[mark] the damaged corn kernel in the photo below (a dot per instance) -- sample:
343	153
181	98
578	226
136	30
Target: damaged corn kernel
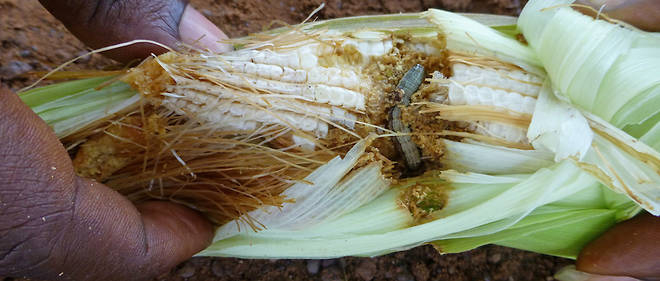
271	113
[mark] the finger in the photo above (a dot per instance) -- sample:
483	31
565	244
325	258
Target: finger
197	30
127	243
629	249
178	232
36	187
55	225
644	14
103	23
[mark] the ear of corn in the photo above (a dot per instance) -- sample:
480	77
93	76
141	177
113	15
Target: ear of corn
603	76
288	143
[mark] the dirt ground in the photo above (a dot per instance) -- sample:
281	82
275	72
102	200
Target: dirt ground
32	40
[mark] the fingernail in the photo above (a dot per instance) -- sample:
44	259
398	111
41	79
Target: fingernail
197	30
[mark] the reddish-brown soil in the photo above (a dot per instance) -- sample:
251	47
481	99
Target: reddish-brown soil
32	40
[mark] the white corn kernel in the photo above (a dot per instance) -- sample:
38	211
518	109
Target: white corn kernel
371	48
510	90
510	81
303	143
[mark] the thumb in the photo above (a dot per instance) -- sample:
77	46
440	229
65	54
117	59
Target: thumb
173	232
102	23
644	14
628	249
113	240
107	238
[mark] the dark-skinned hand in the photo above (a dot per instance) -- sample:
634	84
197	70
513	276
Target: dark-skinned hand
57	226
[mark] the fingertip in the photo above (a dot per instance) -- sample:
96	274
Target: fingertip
644	14
197	30
181	222
130	241
628	249
174	232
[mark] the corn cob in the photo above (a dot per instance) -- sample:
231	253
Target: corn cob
315	114
318	92
300	90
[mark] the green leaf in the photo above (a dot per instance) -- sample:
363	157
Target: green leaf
561	228
46	94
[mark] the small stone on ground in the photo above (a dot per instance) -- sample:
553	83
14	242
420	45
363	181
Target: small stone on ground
313	266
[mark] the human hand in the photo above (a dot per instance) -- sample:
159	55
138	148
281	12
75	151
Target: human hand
631	248
57	226
102	23
644	14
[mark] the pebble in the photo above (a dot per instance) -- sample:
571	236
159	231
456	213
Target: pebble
186	271
21	38
14	68
331	274
25	53
366	270
62	55
217	269
342	263
421	271
405	276
313	266
54	33
452	270
495	258
84	59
